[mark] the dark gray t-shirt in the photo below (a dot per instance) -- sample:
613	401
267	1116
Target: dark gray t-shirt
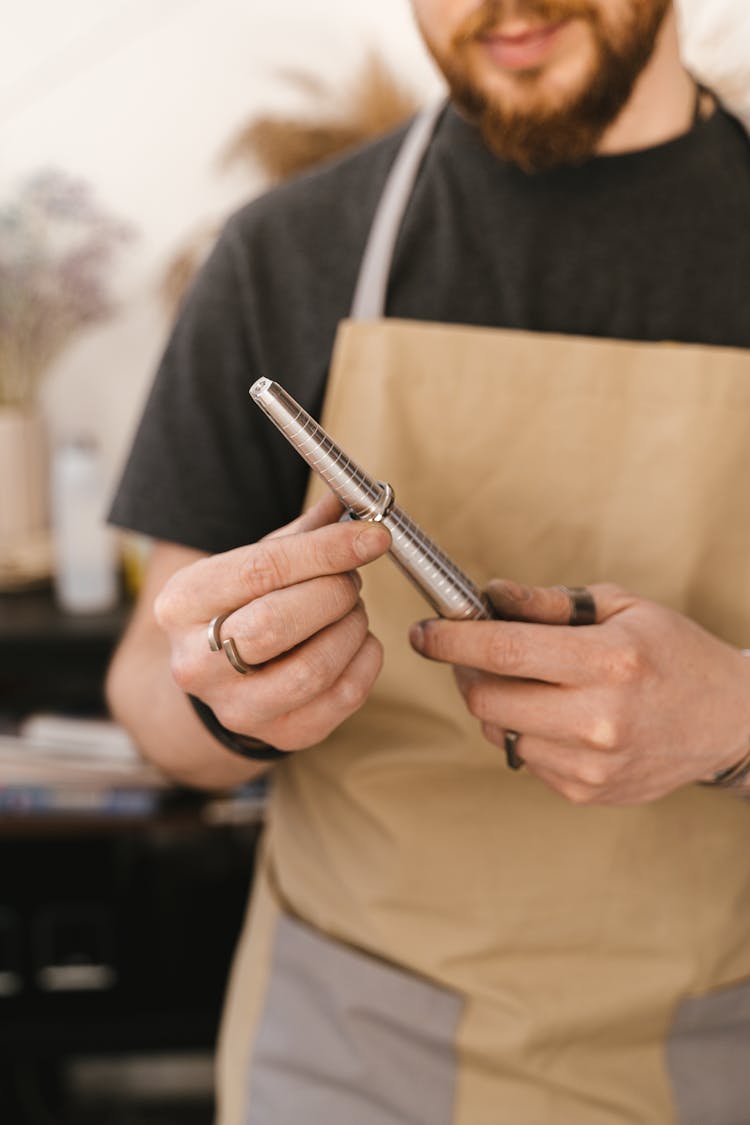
653	245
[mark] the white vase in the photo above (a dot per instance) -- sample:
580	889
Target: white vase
23	478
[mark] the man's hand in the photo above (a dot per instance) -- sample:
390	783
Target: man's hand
295	613
621	712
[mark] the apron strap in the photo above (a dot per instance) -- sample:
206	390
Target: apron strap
369	295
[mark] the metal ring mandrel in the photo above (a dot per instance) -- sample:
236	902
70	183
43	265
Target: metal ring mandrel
449	591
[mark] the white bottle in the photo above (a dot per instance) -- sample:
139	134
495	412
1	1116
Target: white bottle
85	549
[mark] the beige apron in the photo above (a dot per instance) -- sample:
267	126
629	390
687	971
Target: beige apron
571	938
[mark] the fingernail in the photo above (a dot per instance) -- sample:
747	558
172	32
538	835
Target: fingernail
371	541
416	637
504	588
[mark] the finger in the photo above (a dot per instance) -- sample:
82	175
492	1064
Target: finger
506	648
611	600
553	605
327	510
265	629
313	722
283	619
295	679
543	710
223	582
546	605
579	775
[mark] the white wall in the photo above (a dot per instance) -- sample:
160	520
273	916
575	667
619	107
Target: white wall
139	96
716	46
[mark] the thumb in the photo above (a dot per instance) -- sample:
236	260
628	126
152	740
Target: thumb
327	510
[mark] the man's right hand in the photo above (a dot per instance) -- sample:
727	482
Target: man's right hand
294	613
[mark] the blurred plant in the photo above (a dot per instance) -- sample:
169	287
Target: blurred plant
56	246
375	101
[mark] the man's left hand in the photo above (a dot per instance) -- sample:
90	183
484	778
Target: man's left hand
622	712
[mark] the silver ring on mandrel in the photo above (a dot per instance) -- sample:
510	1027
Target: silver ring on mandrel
384	504
227	646
513	758
582	605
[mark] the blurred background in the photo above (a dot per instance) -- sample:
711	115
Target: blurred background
140	100
128	131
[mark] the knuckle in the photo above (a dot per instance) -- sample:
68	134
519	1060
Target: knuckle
610	729
333	550
612	591
307	674
626	664
347	589
505	649
164	607
376	655
231	713
352	692
493	734
184	669
267	624
602	734
593	773
263	569
357	621
577	793
353	688
475	694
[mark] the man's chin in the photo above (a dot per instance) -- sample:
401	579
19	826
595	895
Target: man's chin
542	147
533	124
544	91
556	114
532	93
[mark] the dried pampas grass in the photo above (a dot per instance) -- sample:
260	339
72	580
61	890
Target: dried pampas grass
182	268
283	146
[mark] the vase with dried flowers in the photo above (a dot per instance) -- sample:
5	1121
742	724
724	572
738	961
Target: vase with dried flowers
56	248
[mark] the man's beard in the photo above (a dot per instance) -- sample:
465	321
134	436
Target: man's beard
547	135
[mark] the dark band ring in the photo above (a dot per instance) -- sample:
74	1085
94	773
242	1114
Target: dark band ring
513	758
228	647
582	605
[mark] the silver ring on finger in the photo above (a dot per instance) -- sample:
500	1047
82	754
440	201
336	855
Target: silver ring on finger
228	646
214	631
512	757
582	605
234	658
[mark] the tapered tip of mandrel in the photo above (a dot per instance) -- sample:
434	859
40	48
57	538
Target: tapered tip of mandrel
259	387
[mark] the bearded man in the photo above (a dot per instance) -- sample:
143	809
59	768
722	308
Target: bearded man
505	876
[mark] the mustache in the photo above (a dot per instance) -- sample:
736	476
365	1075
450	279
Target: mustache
492	13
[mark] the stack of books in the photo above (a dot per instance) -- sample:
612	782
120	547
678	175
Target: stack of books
62	764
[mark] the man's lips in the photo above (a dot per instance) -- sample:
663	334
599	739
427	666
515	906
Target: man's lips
525	48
